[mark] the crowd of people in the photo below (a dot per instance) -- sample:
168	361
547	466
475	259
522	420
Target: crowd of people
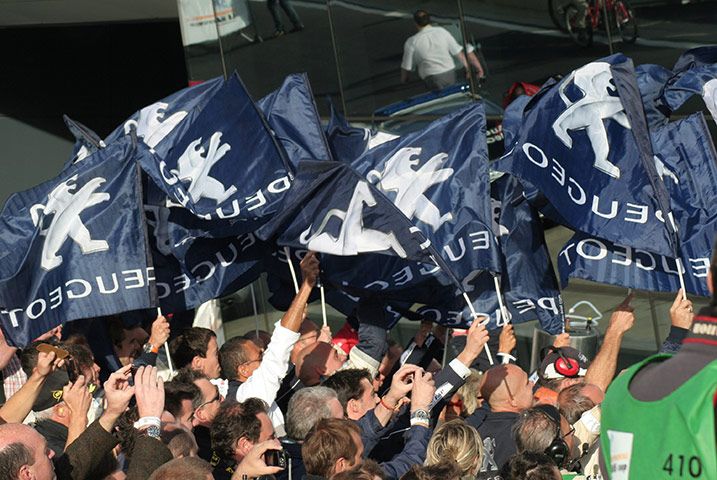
301	403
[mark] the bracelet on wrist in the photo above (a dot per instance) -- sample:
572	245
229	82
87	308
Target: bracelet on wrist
145	421
384	405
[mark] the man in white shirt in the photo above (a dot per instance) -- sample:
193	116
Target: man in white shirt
431	52
254	372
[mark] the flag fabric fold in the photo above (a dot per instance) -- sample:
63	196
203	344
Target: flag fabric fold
74	247
685	158
292	114
438	177
583	147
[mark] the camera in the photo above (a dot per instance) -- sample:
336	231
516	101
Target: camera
276	458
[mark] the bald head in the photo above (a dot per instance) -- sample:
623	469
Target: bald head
594	393
24	453
316	360
507	388
308	334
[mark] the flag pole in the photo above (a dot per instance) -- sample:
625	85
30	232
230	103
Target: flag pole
291	269
219	39
166	349
682	279
445	348
503	311
475	317
256	314
323	303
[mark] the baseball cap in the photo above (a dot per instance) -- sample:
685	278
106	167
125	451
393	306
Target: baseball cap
51	392
346	338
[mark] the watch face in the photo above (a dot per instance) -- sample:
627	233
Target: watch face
153	431
147	348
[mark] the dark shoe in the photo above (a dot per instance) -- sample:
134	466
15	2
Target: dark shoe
297	28
278	34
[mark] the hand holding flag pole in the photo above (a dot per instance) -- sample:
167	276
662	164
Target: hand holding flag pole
166	349
475	317
296	285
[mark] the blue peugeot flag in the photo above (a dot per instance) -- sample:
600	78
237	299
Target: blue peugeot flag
87	141
292	114
226	165
651	80
348	142
694	73
438	177
528	283
74	247
583	146
162	123
686	161
208	268
332	209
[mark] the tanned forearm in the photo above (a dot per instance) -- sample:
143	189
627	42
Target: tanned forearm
602	369
295	315
19	405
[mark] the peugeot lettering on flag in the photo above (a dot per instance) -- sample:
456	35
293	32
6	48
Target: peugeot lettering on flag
74	247
581	145
687	165
438	178
226	165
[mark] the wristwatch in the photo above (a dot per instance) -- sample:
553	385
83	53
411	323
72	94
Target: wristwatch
151	431
420	416
149	348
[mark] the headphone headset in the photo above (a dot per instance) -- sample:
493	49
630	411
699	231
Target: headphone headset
558	450
563	365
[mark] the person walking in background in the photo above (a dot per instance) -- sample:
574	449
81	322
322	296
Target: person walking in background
431	52
273	6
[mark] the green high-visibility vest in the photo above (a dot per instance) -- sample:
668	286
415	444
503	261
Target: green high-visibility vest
670	438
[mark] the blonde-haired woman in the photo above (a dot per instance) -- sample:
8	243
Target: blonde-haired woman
458	441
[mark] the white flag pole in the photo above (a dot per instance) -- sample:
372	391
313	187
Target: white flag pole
166	349
323	304
475	317
291	268
682	279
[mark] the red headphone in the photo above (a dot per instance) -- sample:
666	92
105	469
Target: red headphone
563	365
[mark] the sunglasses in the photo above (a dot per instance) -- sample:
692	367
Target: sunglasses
216	397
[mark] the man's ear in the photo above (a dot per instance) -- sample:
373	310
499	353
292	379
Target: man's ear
26	473
198	417
61	410
243	446
341	465
242	371
197	363
352	406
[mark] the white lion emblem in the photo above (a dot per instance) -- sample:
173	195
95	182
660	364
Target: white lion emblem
410	185
194	167
588	113
66	222
150	128
353	237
